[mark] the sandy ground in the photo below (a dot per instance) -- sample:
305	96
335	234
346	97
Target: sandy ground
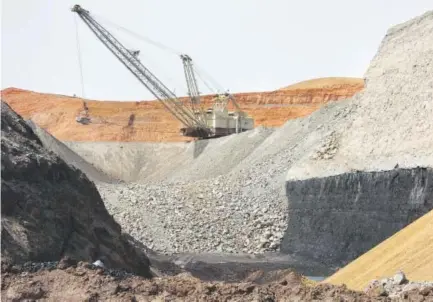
410	250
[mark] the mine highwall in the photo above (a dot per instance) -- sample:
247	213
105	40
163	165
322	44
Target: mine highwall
336	219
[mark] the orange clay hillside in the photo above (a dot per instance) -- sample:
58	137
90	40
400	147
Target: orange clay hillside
152	122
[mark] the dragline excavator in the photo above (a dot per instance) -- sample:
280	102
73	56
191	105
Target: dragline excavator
196	120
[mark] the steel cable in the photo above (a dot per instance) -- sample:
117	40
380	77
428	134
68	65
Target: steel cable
80	64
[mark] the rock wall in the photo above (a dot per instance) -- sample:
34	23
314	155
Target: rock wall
51	210
360	182
337	218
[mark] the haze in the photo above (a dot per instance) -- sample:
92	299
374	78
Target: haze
245	45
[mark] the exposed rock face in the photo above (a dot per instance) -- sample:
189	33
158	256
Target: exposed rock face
111	121
51	210
392	118
337	213
409	250
337	218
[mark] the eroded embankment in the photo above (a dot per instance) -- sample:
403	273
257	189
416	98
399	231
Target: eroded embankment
337	218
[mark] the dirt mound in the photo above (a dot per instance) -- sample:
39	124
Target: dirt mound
152	122
85	283
409	250
50	209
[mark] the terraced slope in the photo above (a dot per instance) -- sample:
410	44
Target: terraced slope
152	122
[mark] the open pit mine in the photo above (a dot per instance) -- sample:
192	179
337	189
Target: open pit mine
327	195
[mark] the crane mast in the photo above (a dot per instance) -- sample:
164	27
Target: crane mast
190	79
130	60
193	91
213	122
192	86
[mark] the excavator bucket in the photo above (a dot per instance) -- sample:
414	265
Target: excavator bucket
83	120
83	117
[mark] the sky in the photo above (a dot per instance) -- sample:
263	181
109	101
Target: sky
244	45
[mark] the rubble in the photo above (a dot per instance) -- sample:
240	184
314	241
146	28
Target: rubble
83	282
398	287
199	208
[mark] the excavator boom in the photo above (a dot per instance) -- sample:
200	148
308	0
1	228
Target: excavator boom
130	60
197	122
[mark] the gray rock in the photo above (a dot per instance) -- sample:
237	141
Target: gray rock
98	263
246	172
399	278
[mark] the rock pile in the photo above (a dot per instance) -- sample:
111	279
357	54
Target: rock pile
193	217
392	121
399	286
241	211
51	210
228	194
246	209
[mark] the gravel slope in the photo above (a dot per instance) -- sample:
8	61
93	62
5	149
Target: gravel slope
242	211
227	194
154	162
393	121
245	210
